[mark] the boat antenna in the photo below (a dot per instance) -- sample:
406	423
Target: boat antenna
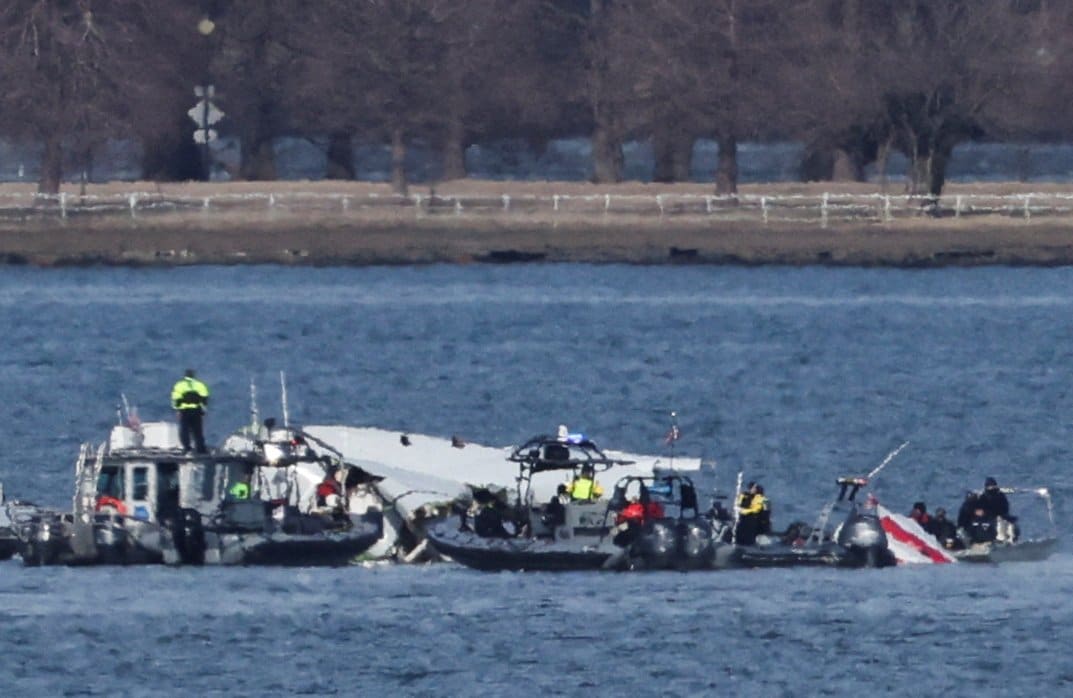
737	511
255	415
888	459
283	398
672	435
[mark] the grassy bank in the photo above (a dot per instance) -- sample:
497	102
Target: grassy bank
353	223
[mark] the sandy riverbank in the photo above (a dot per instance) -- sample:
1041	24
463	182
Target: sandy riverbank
247	232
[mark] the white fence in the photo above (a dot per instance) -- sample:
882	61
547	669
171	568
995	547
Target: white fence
817	209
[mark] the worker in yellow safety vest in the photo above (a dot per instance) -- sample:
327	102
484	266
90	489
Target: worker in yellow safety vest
584	487
189	398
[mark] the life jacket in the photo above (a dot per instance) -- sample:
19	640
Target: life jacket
634	512
756	505
189	394
582	488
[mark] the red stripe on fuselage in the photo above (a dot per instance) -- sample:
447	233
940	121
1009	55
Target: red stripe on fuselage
904	536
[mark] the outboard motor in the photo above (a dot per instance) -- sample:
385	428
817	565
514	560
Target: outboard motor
110	538
863	536
658	545
39	543
188	533
696	542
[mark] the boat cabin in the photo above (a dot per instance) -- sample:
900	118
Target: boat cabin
145	475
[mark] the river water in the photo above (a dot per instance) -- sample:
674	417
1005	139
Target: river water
794	376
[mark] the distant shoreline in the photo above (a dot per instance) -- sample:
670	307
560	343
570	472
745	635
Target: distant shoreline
330	235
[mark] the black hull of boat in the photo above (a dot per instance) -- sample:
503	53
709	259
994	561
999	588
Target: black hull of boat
280	549
299	551
8	548
489	559
116	545
824	556
1026	551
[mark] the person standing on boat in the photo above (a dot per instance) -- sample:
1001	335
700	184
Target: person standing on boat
189	397
754	515
997	507
993	501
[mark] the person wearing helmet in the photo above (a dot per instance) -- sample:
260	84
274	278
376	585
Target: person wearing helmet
584	487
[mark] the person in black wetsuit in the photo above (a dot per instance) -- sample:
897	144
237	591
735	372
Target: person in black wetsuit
993	501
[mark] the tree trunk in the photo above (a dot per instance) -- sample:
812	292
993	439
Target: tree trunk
258	158
882	158
398	162
51	166
919	174
845	167
607	159
726	172
673	151
927	173
937	177
454	150
340	156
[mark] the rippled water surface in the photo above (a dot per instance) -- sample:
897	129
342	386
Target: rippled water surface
795	376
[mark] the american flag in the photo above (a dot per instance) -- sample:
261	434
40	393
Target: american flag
672	435
133	420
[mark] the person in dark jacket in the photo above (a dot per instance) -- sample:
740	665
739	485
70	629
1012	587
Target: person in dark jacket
981	528
555	510
966	511
944	530
920	515
993	501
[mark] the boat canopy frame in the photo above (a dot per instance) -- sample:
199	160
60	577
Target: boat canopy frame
545	453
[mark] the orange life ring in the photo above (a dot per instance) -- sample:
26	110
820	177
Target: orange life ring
105	502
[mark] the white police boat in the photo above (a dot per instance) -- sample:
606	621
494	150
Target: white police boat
140	499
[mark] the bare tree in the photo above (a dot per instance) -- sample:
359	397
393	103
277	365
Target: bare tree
76	73
924	76
258	46
708	67
385	61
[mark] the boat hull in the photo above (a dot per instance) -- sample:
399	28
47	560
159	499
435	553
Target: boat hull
518	554
1026	551
334	549
820	556
123	541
